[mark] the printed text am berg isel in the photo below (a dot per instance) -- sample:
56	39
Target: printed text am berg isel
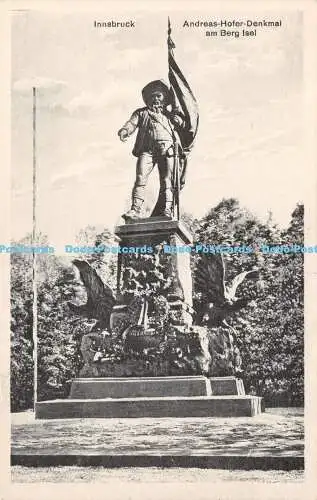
239	26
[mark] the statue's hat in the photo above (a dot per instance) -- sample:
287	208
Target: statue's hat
156	85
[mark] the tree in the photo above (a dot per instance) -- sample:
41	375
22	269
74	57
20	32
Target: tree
21	333
59	332
270	329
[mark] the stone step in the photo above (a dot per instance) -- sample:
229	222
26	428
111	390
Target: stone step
226	386
201	406
134	387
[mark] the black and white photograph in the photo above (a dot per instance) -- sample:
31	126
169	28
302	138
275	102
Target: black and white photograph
160	190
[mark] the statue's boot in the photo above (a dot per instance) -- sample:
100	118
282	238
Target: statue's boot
135	210
168	210
168	205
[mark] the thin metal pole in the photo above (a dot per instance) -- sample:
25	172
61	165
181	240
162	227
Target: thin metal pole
177	182
34	262
119	269
175	206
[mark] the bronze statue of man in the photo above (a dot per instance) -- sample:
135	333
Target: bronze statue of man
157	143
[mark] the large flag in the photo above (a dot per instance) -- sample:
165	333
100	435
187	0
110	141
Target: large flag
183	97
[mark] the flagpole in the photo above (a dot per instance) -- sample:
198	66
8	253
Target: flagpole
170	46
34	262
185	102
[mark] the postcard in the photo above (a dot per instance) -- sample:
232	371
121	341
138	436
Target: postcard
159	256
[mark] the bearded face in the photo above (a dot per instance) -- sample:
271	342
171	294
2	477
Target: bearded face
157	102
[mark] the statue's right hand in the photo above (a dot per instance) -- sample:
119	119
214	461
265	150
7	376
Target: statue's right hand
123	134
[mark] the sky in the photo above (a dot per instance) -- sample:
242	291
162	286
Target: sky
89	80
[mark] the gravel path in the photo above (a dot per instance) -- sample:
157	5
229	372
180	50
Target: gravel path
278	432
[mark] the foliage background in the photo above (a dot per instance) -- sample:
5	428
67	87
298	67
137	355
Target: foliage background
271	328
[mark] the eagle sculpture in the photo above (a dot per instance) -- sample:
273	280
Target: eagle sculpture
218	297
141	330
101	301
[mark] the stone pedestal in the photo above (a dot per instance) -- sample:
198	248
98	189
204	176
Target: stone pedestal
133	387
156	397
152	339
160	235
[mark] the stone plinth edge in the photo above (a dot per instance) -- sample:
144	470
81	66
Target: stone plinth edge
154	226
202	406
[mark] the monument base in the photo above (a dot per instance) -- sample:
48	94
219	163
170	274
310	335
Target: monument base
132	397
135	387
199	406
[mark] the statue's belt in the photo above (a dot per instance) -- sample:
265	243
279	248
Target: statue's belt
163	148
